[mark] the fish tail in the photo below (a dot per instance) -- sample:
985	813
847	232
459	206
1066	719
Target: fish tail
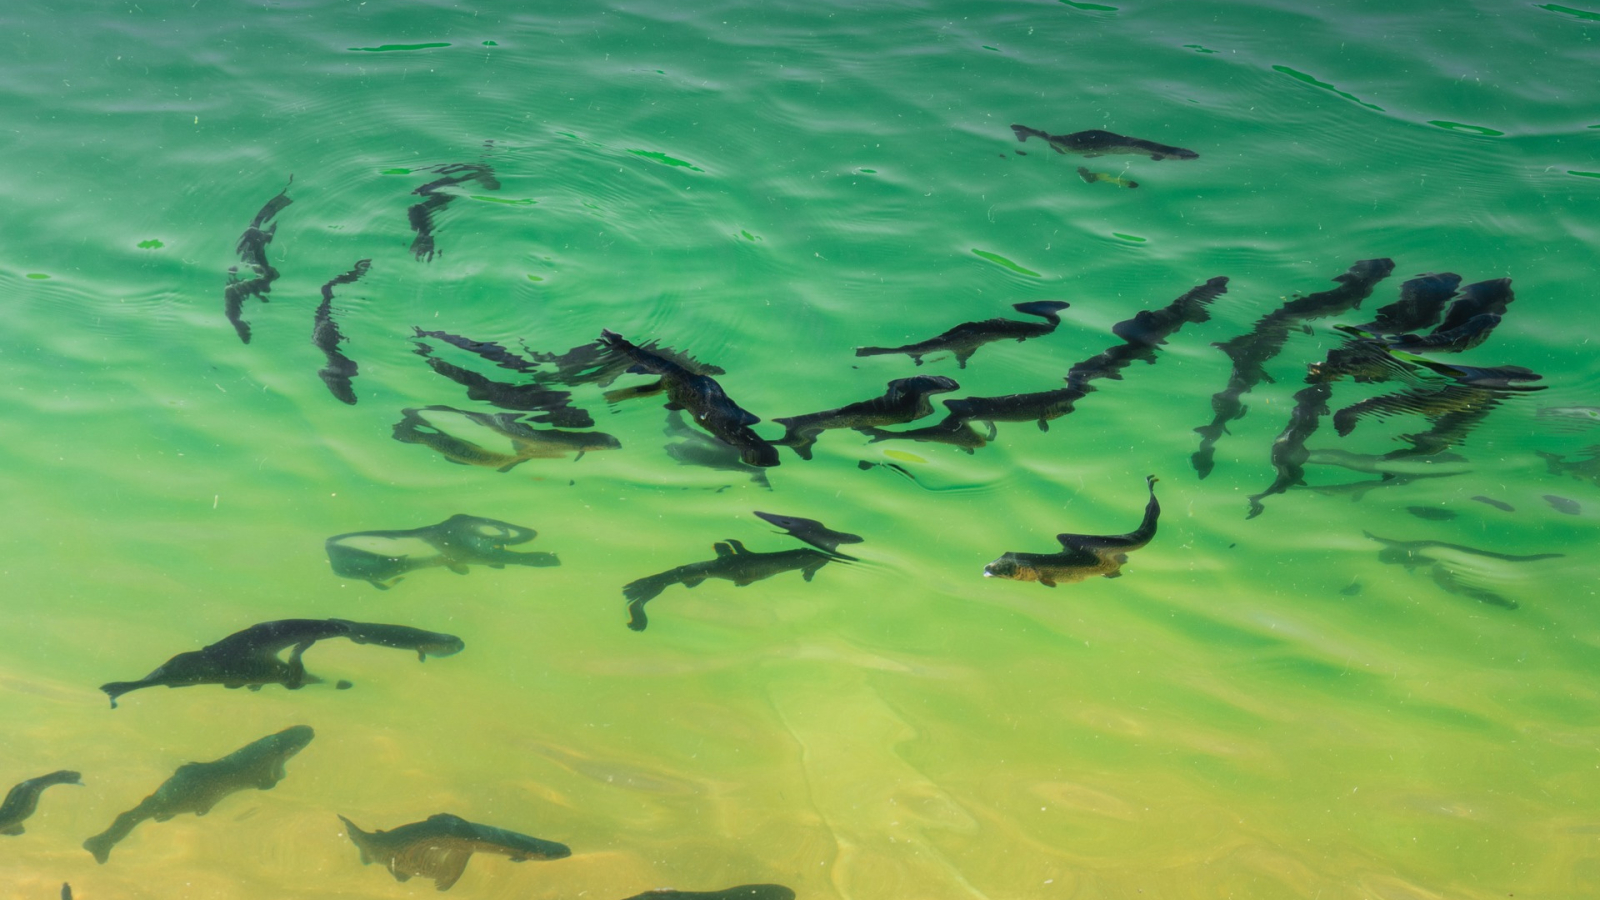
874	351
357	837
1023	132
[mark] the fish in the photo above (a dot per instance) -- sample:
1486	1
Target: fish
1040	406
1447	565
906	400
1477	299
1463	337
1421	303
197	787
1083	555
250	658
1352	589
552	406
325	335
1101	143
66	891
1289	453
1585	467
1145	332
23	798
382	558
488	350
742	892
416	427
701	396
952	430
812	532
1251	352
252	250
695	448
1374	464
1431	513
420	215
1577	416
1563	504
440	846
733	562
1497	504
965	339
1091	177
1359	489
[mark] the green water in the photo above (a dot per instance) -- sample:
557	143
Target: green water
1257	708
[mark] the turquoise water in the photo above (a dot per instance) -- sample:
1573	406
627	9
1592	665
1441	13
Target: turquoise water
1258	707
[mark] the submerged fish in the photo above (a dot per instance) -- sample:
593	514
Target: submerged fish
421	214
1421	302
1573	416
197	787
252	250
1100	143
1585	467
742	892
1091	177
1083	555
553	407
952	430
1447	565
700	395
1431	513
249	658
422	426
1289	453
325	335
1147	331
1497	504
965	339
696	448
1563	504
906	400
23	799
733	563
381	558
812	532
440	847
1040	406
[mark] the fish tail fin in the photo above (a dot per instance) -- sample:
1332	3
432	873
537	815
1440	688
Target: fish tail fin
357	837
873	351
1023	132
645	588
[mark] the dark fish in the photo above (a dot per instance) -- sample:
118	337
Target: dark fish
733	563
742	892
252	250
965	339
598	363
421	214
1083	555
197	787
1359	489
1463	337
381	558
1091	177
326	336
1575	416
696	448
1585	467
1431	513
1252	351
701	396
952	430
1454	410
1481	298
23	799
1146	331
553	406
812	532
489	350
249	658
1351	589
526	443
867	466
440	846
1289	451
1041	407
1100	143
1440	464
1421	302
1563	505
905	401
1448	576
66	891
1497	504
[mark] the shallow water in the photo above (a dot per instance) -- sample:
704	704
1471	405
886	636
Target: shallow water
1257	708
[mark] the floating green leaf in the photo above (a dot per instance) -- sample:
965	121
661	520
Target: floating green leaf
391	48
1198	49
1001	261
395	172
505	200
1470	129
38	276
1301	76
490	44
1129	237
987	47
151	244
868	171
534	278
666	160
1092	7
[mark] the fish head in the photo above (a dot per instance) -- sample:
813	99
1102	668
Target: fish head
1010	567
596	440
293	739
441	645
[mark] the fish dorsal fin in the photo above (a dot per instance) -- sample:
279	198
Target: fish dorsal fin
737	546
723	549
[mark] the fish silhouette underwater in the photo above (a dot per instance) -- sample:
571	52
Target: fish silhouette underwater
733	562
440	847
1083	555
23	798
1095	142
382	558
965	339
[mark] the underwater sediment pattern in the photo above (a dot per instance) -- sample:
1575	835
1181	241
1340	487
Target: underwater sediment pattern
467	332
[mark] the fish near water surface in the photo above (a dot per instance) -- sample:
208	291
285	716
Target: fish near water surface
952	430
965	339
440	847
325	336
699	395
420	215
906	400
197	787
1584	467
1083	555
1451	566
428	426
742	892
550	406
1100	143
733	562
252	250
381	558
812	532
23	798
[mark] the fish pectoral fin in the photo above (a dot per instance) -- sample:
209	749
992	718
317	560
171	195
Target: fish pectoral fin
1043	425
1117	574
1047	581
456	567
14	829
